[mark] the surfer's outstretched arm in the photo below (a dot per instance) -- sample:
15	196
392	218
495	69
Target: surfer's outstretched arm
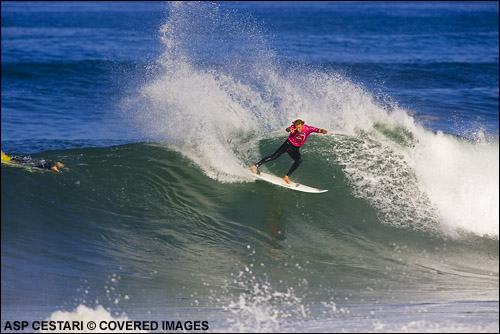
292	129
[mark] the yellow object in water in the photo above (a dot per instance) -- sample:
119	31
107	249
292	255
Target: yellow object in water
5	157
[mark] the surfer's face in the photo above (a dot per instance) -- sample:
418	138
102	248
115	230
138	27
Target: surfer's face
299	127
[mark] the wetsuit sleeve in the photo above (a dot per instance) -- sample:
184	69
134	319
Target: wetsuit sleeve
313	129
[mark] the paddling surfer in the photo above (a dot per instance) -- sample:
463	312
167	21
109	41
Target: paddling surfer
50	165
299	132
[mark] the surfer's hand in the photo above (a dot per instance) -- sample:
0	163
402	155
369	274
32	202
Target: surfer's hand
323	131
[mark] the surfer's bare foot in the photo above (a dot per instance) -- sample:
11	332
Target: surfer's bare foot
254	169
287	180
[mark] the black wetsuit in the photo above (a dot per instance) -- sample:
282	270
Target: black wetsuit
289	148
34	163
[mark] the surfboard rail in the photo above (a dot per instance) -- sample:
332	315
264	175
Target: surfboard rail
293	185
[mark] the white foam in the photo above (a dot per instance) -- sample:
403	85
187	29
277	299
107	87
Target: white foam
86	315
461	178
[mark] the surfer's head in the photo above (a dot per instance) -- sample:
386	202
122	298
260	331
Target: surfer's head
299	124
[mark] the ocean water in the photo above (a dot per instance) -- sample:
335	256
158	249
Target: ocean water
157	109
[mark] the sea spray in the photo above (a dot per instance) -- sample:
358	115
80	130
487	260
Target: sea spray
256	303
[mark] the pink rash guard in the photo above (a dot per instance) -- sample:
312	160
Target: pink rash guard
298	139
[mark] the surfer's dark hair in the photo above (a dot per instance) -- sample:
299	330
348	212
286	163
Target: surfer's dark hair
297	122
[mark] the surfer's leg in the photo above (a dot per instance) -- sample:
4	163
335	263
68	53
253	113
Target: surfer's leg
295	154
282	149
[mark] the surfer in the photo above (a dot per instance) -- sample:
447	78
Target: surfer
53	166
299	132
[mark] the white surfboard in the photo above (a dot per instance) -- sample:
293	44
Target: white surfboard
293	185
